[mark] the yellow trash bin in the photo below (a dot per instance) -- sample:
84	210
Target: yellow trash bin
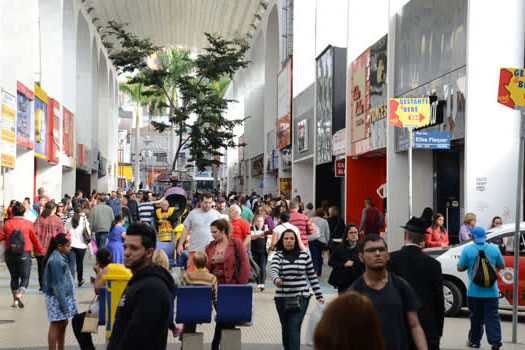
117	280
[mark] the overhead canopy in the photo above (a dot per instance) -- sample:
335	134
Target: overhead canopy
181	23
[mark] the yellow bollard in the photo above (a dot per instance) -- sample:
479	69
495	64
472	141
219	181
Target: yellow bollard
117	279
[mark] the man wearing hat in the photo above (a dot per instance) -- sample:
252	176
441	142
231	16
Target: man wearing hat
423	273
482	301
222	206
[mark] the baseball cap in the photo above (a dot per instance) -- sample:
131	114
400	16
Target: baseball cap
221	199
479	234
416	225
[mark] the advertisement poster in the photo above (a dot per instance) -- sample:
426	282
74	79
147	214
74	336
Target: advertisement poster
53	135
339	142
69	132
25	118
258	165
40	123
285	186
302	135
83	156
8	138
324	106
360	97
284	105
286	157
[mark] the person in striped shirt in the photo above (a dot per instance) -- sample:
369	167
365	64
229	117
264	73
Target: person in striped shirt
289	270
146	210
302	222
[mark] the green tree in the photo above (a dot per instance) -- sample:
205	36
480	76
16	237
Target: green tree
193	88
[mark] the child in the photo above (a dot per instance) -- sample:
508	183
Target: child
199	277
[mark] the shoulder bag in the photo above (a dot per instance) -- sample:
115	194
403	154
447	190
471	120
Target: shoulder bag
86	235
291	304
90	324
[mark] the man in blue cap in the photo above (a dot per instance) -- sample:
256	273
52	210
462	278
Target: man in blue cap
482	301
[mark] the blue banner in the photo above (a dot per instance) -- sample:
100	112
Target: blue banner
40	123
431	140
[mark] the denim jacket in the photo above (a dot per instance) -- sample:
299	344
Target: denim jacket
58	281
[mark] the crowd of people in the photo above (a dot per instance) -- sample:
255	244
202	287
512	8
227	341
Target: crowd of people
222	239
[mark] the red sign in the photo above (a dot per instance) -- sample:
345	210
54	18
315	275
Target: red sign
340	167
53	131
83	156
283	131
69	132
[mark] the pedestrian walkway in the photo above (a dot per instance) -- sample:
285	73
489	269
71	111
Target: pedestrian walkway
27	328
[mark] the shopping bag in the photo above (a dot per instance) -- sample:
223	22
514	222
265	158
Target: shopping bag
315	316
93	246
90	324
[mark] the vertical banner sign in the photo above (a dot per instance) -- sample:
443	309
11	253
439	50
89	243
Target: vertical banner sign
40	123
25	118
284	105
285	186
68	133
360	90
302	135
53	131
340	167
324	96
8	148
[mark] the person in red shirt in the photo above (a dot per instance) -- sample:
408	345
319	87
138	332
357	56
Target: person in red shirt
300	221
437	235
241	227
19	265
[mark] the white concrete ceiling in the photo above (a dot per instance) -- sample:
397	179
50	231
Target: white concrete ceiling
180	22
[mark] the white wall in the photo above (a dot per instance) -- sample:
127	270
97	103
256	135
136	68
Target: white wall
491	137
303	67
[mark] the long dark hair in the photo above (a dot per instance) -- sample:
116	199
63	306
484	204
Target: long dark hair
48	208
427	214
124	212
437	216
345	235
117	219
280	245
75	220
61	238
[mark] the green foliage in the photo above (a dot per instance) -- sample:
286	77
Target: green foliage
188	88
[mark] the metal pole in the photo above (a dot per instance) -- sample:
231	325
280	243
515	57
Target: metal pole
137	148
517	232
410	145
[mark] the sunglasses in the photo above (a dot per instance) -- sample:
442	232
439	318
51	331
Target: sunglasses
373	250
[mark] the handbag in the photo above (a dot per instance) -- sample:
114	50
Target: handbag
291	304
86	235
90	324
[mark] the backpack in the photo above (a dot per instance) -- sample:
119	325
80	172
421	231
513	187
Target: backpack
16	243
483	273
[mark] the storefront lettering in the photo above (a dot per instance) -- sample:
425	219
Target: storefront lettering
378	113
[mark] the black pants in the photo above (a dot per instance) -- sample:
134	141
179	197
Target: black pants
217	336
20	269
76	262
84	339
40	264
260	258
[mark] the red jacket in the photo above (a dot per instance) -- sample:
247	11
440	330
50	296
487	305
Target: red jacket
434	237
28	230
229	261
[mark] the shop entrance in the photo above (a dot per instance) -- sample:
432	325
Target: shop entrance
83	182
447	189
327	186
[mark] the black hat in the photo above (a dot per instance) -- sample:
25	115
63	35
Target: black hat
416	225
221	199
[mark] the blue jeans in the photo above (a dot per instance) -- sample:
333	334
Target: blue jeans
102	239
484	311
291	323
182	259
316	248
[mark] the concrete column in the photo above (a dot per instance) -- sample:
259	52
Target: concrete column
491	136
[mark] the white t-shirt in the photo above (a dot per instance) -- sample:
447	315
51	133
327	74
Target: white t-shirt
77	237
279	229
198	221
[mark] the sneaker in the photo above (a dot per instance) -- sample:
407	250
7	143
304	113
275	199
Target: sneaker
472	345
15	303
20	302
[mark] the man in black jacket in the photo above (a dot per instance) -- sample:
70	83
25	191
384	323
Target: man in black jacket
143	313
133	206
424	274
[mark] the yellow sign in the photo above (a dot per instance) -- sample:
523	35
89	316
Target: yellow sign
410	112
8	130
511	91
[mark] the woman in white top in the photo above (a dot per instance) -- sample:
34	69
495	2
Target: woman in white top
76	226
285	225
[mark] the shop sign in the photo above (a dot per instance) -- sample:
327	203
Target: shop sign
83	156
410	112
339	142
302	135
360	97
286	157
340	167
8	138
25	118
258	165
40	123
241	149
53	136
284	105
431	140
69	132
285	186
511	92
324	106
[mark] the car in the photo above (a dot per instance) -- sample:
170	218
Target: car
455	283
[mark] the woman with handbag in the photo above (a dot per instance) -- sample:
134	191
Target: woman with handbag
78	227
345	263
288	271
228	261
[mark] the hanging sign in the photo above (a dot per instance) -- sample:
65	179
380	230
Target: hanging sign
340	167
53	131
431	140
40	123
410	112
511	91
8	138
25	118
